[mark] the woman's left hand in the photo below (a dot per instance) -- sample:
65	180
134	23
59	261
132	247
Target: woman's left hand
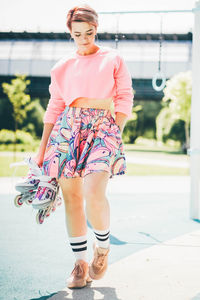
120	120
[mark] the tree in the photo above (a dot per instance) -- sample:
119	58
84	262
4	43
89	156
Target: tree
177	106
130	130
18	98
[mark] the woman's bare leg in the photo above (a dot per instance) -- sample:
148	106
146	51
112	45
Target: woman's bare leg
97	205
98	213
72	190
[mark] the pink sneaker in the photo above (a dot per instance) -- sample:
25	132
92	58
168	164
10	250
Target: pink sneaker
99	263
79	277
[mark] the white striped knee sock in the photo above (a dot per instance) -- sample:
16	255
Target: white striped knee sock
79	246
102	237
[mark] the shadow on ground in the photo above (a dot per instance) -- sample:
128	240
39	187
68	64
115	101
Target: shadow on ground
86	293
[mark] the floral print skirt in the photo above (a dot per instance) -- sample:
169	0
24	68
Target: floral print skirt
83	141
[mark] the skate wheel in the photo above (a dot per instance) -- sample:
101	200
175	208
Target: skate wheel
48	211
59	203
18	201
28	202
40	217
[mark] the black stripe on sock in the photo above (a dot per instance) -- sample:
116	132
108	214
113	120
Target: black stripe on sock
102	234
78	244
102	239
79	249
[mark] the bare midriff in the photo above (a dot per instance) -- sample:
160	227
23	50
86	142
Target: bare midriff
92	103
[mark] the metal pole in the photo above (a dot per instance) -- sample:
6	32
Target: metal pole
195	120
148	11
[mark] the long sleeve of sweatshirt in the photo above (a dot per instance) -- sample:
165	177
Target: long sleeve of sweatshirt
103	74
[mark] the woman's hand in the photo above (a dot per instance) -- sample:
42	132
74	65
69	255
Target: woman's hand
120	120
42	148
39	158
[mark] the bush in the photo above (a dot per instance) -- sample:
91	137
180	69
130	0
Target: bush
144	125
34	121
6	118
176	133
129	133
141	141
8	137
176	111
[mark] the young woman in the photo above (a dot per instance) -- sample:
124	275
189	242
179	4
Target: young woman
81	144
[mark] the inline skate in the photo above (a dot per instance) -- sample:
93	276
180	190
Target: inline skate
28	186
46	198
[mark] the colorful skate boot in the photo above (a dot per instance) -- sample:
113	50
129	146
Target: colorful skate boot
28	186
46	198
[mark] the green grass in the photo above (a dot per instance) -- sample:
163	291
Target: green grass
5	169
152	170
132	169
152	148
171	156
127	147
162	153
21	147
149	152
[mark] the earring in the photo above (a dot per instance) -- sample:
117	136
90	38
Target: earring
96	37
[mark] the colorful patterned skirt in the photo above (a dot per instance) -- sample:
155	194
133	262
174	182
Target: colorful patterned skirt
83	141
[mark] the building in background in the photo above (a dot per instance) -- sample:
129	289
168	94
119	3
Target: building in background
34	54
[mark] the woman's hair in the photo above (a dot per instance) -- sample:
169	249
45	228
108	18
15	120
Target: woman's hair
82	13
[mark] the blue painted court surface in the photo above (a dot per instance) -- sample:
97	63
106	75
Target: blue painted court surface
35	260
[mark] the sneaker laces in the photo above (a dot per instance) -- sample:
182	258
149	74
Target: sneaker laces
78	270
99	261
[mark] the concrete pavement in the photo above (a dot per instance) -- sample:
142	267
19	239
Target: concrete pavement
168	271
155	246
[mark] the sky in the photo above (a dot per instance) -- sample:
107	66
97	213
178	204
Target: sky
50	16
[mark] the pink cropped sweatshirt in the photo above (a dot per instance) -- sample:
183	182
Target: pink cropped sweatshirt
102	74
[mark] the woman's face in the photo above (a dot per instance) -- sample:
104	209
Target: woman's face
83	34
